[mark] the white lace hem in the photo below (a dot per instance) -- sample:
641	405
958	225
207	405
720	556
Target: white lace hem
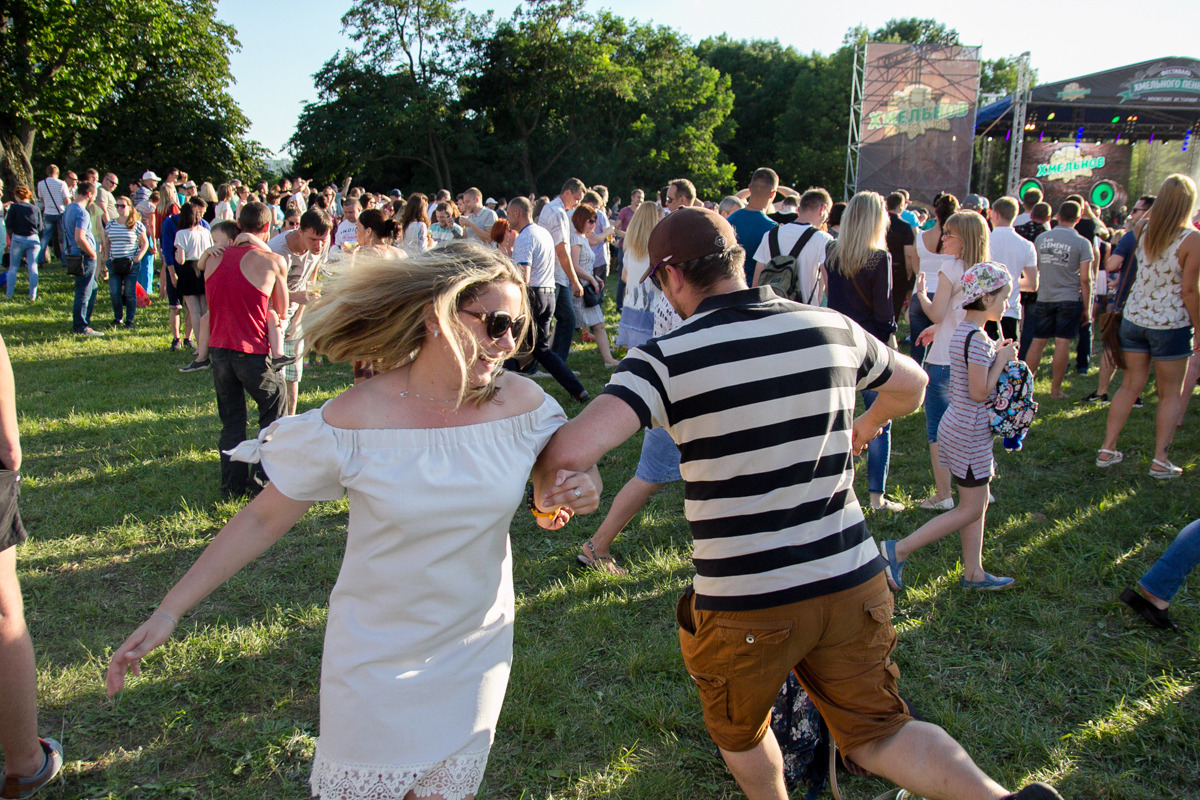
454	778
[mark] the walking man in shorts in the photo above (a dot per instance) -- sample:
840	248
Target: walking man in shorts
754	389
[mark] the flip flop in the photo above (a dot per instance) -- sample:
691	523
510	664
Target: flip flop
604	564
929	504
1114	457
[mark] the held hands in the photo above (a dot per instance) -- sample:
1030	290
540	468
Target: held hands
152	633
863	431
573	492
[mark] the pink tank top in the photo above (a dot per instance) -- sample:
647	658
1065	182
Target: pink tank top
237	309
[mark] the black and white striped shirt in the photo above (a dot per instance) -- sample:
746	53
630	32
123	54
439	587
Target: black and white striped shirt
758	392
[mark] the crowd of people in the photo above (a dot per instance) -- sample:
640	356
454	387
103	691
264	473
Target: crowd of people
750	326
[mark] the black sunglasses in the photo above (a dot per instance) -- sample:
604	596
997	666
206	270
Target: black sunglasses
497	323
652	275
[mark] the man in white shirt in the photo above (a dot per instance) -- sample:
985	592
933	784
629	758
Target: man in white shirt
1030	199
556	219
533	253
814	210
347	230
476	218
1020	256
54	196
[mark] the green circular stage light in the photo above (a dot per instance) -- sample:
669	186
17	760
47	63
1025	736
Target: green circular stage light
1103	194
1026	185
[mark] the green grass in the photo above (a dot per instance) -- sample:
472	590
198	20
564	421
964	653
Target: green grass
1054	680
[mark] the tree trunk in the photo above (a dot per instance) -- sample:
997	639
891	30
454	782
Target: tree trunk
16	152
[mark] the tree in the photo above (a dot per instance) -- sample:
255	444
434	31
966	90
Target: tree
174	110
761	74
915	30
57	70
415	41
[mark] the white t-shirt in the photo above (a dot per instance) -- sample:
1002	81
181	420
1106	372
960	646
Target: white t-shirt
808	265
1015	252
347	231
1021	219
193	242
416	238
484	219
554	218
222	211
939	351
931	264
53	193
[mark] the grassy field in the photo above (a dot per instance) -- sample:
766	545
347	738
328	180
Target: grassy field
1054	680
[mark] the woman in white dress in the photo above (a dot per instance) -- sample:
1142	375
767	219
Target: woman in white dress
434	454
589	318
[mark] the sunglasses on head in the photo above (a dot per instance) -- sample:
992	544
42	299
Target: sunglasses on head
497	323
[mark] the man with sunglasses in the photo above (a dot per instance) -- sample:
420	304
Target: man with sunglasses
757	392
534	252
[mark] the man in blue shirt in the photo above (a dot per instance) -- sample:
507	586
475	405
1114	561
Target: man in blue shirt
79	242
752	223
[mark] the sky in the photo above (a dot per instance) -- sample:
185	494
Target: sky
285	41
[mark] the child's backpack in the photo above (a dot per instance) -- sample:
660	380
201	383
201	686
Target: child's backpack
1012	408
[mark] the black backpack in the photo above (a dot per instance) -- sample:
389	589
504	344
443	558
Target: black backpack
780	273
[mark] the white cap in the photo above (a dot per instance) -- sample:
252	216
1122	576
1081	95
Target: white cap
149	175
491	201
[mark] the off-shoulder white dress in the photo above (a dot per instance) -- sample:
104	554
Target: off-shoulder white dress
419	639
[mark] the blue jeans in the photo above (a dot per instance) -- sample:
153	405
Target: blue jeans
27	247
145	271
879	451
51	234
564	322
1166	576
917	322
123	291
85	297
937	398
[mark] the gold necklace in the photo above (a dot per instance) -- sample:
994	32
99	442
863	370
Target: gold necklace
408	391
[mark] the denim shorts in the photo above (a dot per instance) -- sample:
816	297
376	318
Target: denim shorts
1162	345
937	398
1058	320
659	462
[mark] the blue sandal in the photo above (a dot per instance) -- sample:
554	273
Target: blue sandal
894	568
990	583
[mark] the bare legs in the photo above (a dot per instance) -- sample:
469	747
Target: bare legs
601	334
1169	376
1189	386
967	518
23	754
941	475
928	762
626	505
1058	367
920	757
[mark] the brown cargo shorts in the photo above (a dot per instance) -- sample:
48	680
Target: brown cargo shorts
839	645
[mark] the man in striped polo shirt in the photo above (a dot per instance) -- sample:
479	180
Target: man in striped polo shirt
758	392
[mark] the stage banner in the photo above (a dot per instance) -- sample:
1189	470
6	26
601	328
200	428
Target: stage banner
1097	172
918	119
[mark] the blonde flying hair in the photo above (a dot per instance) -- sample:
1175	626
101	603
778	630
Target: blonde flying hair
972	230
863	232
208	194
1172	209
379	311
637	236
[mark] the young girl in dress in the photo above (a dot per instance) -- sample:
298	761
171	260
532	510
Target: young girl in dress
966	438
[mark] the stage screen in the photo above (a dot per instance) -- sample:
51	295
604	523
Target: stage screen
918	119
1098	172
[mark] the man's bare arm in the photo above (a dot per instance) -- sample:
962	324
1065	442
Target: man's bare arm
899	396
578	445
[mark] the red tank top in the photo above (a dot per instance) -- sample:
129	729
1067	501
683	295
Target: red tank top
237	309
